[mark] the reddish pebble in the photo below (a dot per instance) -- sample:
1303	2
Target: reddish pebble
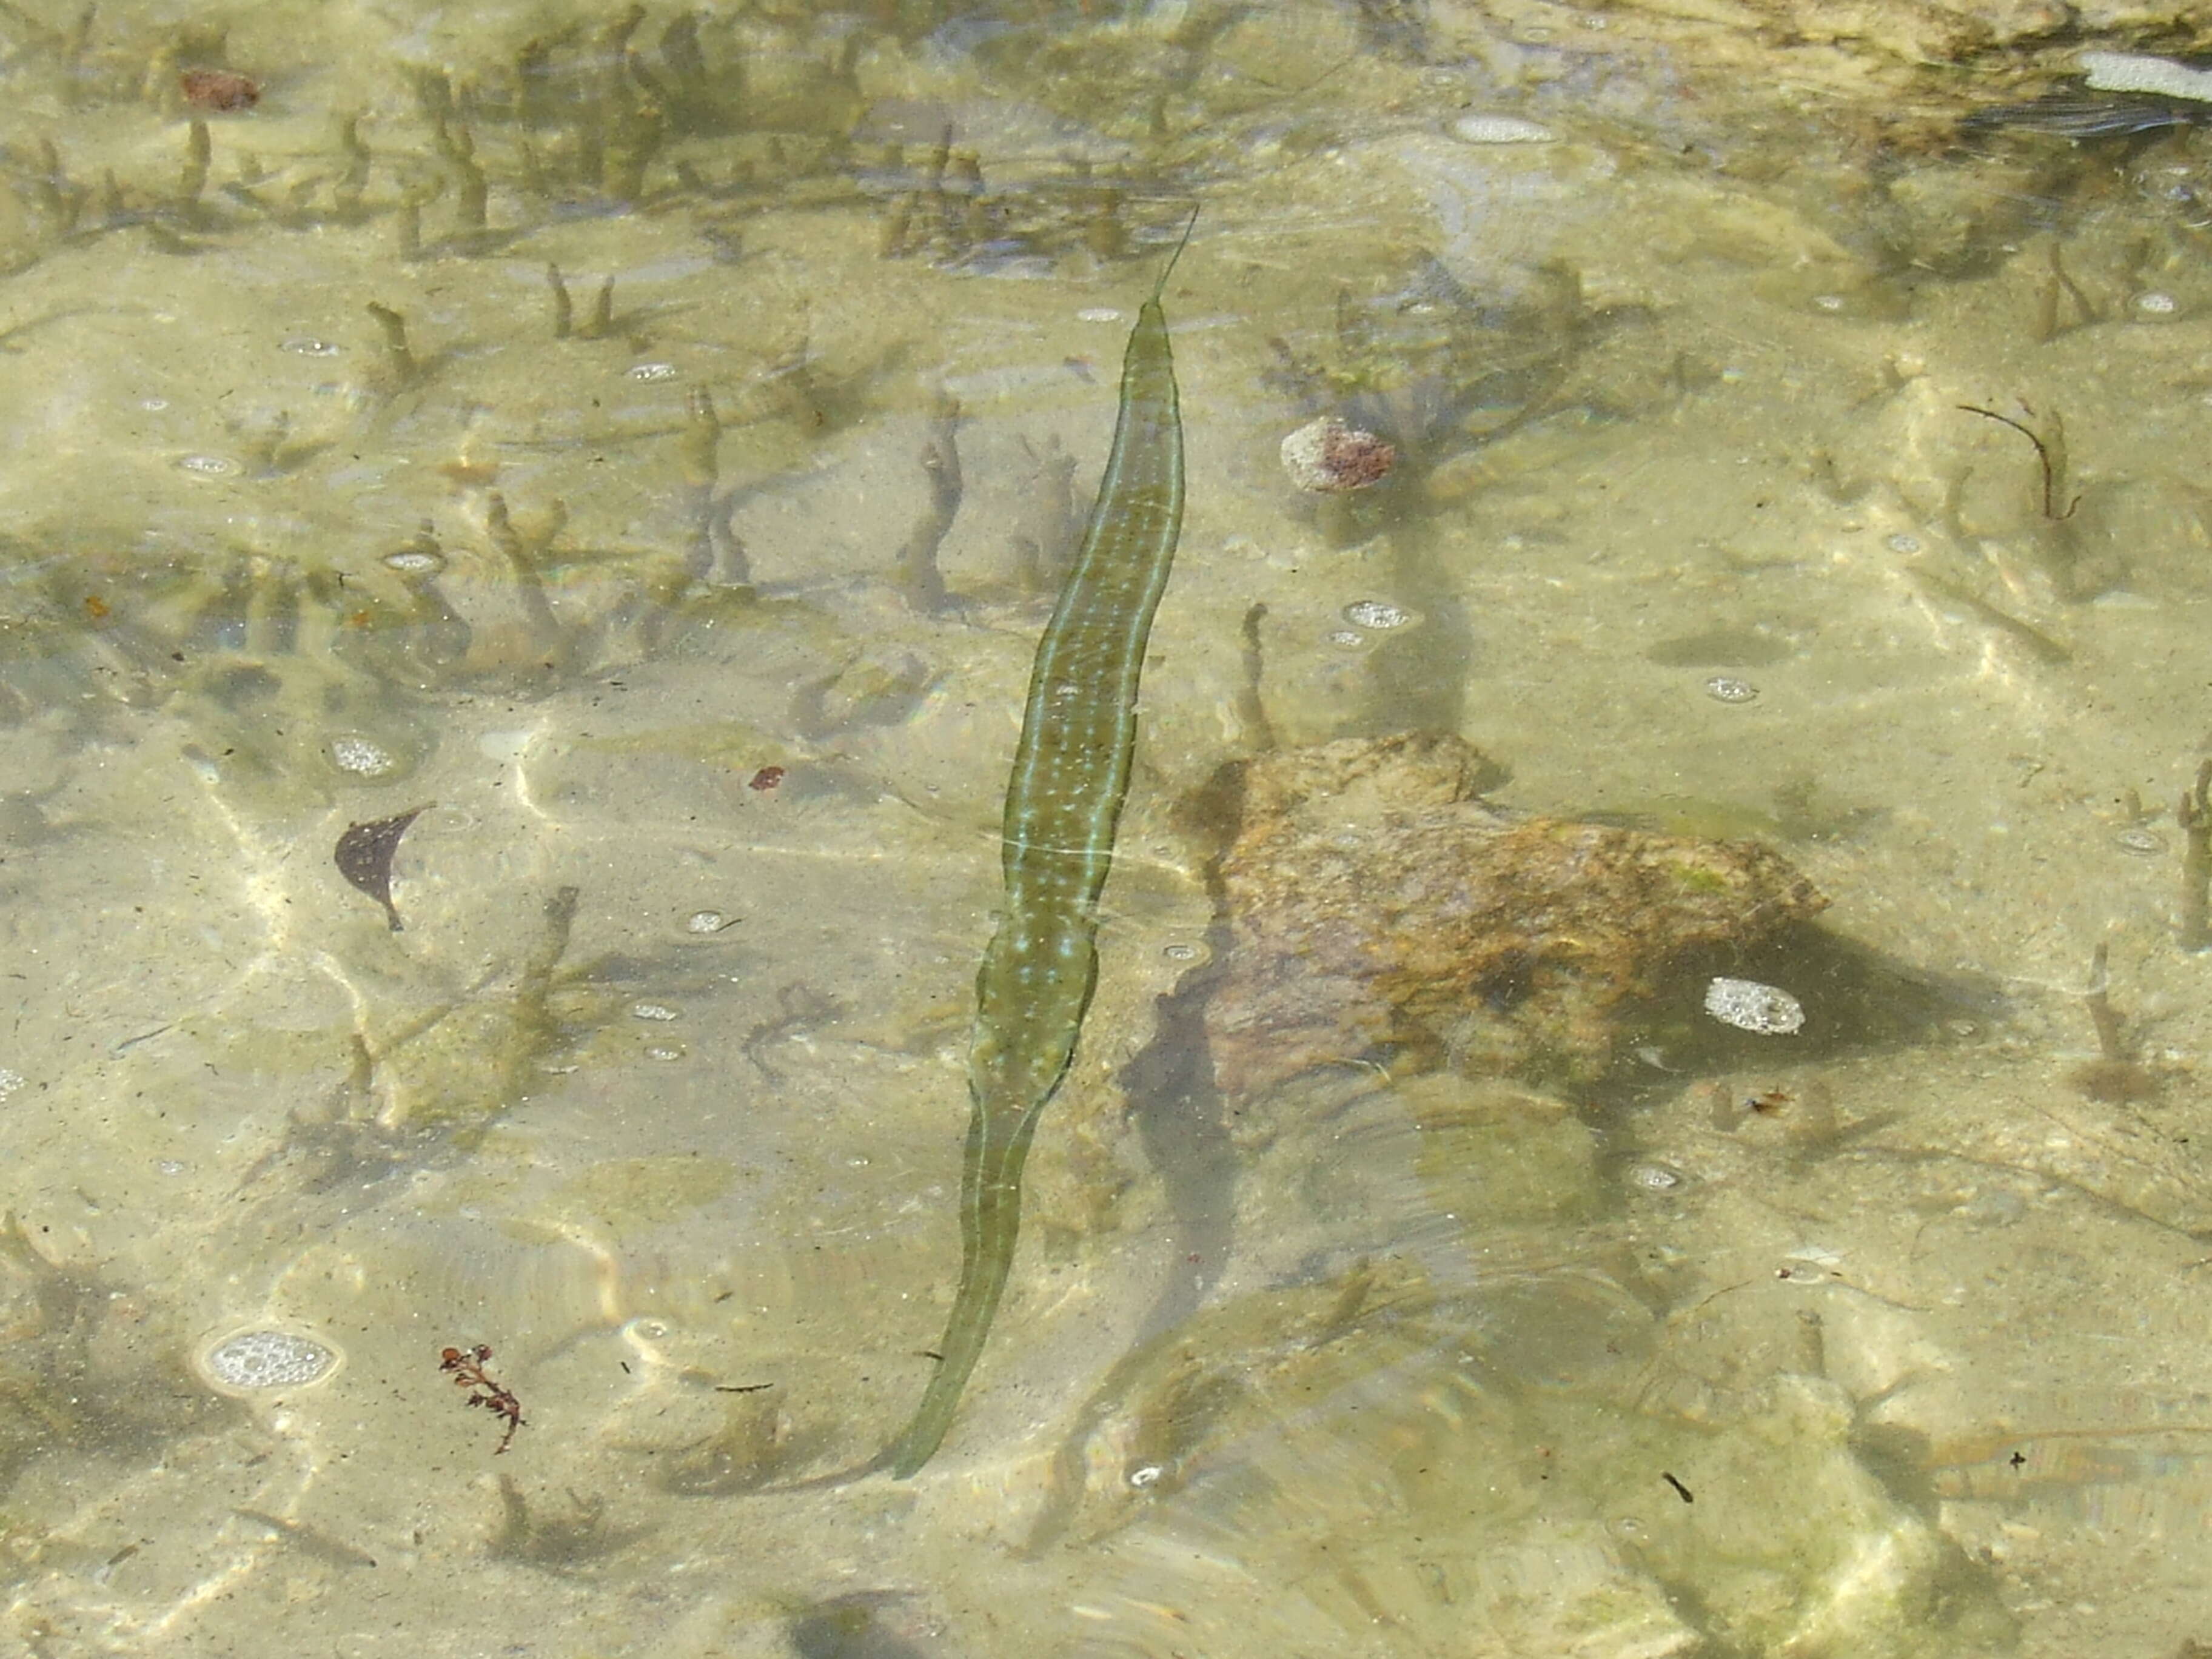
226	90
1330	458
767	778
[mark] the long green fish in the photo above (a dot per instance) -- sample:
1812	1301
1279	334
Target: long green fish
1063	801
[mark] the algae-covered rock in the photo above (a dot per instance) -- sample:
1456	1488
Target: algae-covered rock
1375	900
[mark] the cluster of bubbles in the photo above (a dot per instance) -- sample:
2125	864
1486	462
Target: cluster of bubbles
259	1359
1751	1006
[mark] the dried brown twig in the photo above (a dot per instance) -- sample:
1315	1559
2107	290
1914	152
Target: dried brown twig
2042	457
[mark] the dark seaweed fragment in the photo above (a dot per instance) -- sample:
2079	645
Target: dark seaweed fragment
365	853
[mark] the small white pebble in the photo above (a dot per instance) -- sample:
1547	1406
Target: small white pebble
1499	130
1724	687
2129	72
1750	1007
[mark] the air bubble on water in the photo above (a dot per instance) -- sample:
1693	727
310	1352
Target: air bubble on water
209	466
1725	688
2156	304
1377	614
414	561
1147	1475
705	921
1657	1177
1901	543
659	1011
1751	1006
1180	952
9	1082
254	1360
651	372
2141	842
306	345
1350	638
664	1051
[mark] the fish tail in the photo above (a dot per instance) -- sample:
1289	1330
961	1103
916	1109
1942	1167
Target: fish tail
991	1223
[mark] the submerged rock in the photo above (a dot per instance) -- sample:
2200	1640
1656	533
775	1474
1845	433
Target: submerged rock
1375	899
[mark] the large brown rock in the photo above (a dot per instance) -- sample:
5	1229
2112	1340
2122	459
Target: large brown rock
1375	899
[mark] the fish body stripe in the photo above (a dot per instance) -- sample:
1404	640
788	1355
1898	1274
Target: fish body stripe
1063	802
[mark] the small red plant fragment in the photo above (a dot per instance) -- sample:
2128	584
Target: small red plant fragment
466	1368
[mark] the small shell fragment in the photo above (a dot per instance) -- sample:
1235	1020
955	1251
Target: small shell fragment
1329	457
1750	1007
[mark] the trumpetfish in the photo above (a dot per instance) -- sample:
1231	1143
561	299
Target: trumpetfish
1063	800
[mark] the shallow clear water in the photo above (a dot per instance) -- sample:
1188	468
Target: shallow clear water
698	621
